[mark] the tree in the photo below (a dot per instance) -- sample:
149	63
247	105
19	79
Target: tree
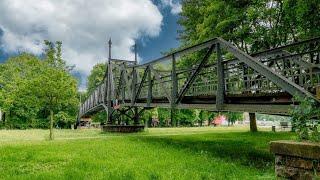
19	95
233	117
164	116
96	77
16	100
305	119
253	122
56	88
252	25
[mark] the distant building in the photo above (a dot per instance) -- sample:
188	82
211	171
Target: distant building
220	120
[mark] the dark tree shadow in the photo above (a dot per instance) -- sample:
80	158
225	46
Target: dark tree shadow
248	149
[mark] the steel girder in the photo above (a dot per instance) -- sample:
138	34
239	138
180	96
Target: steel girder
101	98
278	79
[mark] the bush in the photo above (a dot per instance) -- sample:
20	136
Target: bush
305	119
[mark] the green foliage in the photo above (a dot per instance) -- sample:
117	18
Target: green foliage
94	80
100	117
252	25
187	117
164	116
233	116
306	119
96	77
63	119
32	87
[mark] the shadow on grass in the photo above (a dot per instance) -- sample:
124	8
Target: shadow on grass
245	148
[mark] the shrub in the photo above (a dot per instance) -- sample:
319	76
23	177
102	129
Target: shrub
305	119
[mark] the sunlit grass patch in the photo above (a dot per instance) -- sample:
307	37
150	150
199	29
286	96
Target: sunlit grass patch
170	153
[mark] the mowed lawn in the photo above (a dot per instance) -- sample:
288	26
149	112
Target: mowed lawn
166	153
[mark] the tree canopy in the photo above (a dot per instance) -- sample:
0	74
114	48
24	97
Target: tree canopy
31	87
252	25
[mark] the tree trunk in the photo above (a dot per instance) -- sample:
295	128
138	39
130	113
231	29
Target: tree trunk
253	122
51	125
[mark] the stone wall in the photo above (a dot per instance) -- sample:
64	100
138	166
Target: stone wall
296	160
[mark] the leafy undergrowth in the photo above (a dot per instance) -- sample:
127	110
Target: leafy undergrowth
184	153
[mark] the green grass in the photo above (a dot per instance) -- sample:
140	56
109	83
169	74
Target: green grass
168	153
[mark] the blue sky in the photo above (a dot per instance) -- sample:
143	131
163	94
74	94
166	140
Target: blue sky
151	48
84	28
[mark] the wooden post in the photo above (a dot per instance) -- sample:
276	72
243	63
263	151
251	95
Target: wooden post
253	122
220	74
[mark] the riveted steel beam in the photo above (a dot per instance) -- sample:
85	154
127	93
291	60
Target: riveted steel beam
158	77
192	77
276	78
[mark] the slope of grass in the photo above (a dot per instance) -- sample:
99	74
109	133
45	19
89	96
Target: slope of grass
174	153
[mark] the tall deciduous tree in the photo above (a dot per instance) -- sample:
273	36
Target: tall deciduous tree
252	25
16	98
23	79
55	88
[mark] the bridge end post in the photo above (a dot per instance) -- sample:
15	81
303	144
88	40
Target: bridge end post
174	92
221	84
109	71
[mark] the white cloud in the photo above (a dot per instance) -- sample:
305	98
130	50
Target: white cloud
175	5
83	26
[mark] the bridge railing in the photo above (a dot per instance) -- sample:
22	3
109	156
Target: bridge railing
220	69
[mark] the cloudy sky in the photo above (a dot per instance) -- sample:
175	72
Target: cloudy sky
84	27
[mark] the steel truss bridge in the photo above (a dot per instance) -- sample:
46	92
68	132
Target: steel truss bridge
213	75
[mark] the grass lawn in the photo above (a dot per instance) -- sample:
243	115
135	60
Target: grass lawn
167	153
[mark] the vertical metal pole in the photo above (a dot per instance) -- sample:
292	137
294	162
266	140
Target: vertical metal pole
221	87
174	90
135	54
134	88
245	77
134	78
123	85
149	87
109	112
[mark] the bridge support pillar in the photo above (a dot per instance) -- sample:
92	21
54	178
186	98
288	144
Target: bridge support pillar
174	121
253	122
135	116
